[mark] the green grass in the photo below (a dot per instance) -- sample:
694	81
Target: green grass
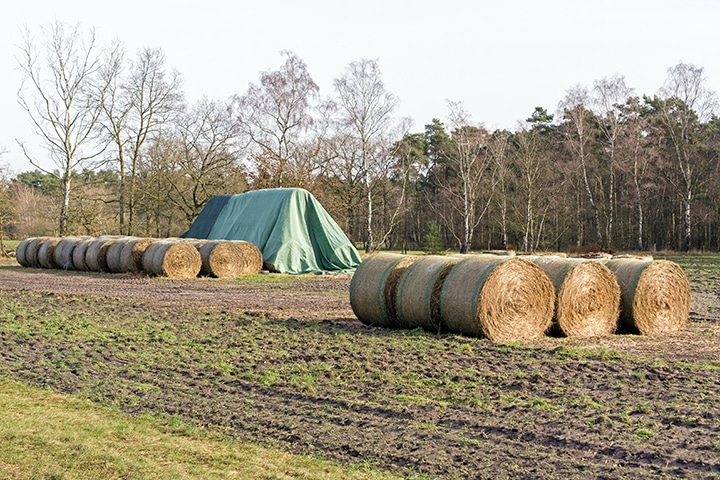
47	435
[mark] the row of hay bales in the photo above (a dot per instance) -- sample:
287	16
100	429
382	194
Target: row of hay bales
510	298
168	257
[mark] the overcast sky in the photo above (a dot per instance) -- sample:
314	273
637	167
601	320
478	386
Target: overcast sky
500	58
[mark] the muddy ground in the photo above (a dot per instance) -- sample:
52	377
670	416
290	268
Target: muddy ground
284	362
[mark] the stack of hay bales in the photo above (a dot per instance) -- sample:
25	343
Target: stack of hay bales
173	258
510	298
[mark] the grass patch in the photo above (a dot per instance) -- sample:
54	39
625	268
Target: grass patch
47	435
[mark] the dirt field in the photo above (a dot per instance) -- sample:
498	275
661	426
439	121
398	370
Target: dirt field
283	362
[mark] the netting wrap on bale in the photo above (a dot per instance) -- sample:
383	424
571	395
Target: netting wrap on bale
112	256
587	296
131	255
374	286
172	259
502	298
655	295
63	252
20	252
45	254
31	251
419	289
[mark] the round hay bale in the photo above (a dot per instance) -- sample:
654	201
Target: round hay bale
220	258
374	286
587	296
20	252
252	257
131	255
78	253
172	259
31	251
112	255
418	292
502	298
655	295
96	250
64	251
45	254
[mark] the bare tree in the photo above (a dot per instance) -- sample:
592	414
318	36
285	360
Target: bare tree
365	111
610	94
277	118
206	157
579	135
60	92
683	103
137	104
473	168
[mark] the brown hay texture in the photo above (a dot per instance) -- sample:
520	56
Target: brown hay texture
131	254
20	252
172	259
418	292
220	258
45	254
655	295
587	296
373	288
505	299
252	257
31	251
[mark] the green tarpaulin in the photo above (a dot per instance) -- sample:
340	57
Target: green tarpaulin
292	230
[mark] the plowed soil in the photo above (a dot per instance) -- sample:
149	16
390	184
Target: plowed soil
282	361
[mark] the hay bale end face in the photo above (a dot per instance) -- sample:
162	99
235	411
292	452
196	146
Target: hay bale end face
252	257
504	299
587	296
418	292
172	259
655	295
373	288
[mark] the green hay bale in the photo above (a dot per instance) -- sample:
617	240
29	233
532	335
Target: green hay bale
45	253
374	286
20	252
31	251
418	292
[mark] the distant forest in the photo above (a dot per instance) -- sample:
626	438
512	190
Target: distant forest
607	170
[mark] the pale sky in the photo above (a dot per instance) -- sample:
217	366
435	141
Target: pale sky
500	58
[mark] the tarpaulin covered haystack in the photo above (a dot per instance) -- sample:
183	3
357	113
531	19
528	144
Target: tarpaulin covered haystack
290	227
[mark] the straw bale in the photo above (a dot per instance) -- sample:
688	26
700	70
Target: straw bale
172	259
64	251
131	254
78	254
96	251
655	295
418	292
45	253
587	296
373	288
220	258
502	298
112	255
20	252
252	257
31	251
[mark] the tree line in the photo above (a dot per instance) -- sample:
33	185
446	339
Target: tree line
608	170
